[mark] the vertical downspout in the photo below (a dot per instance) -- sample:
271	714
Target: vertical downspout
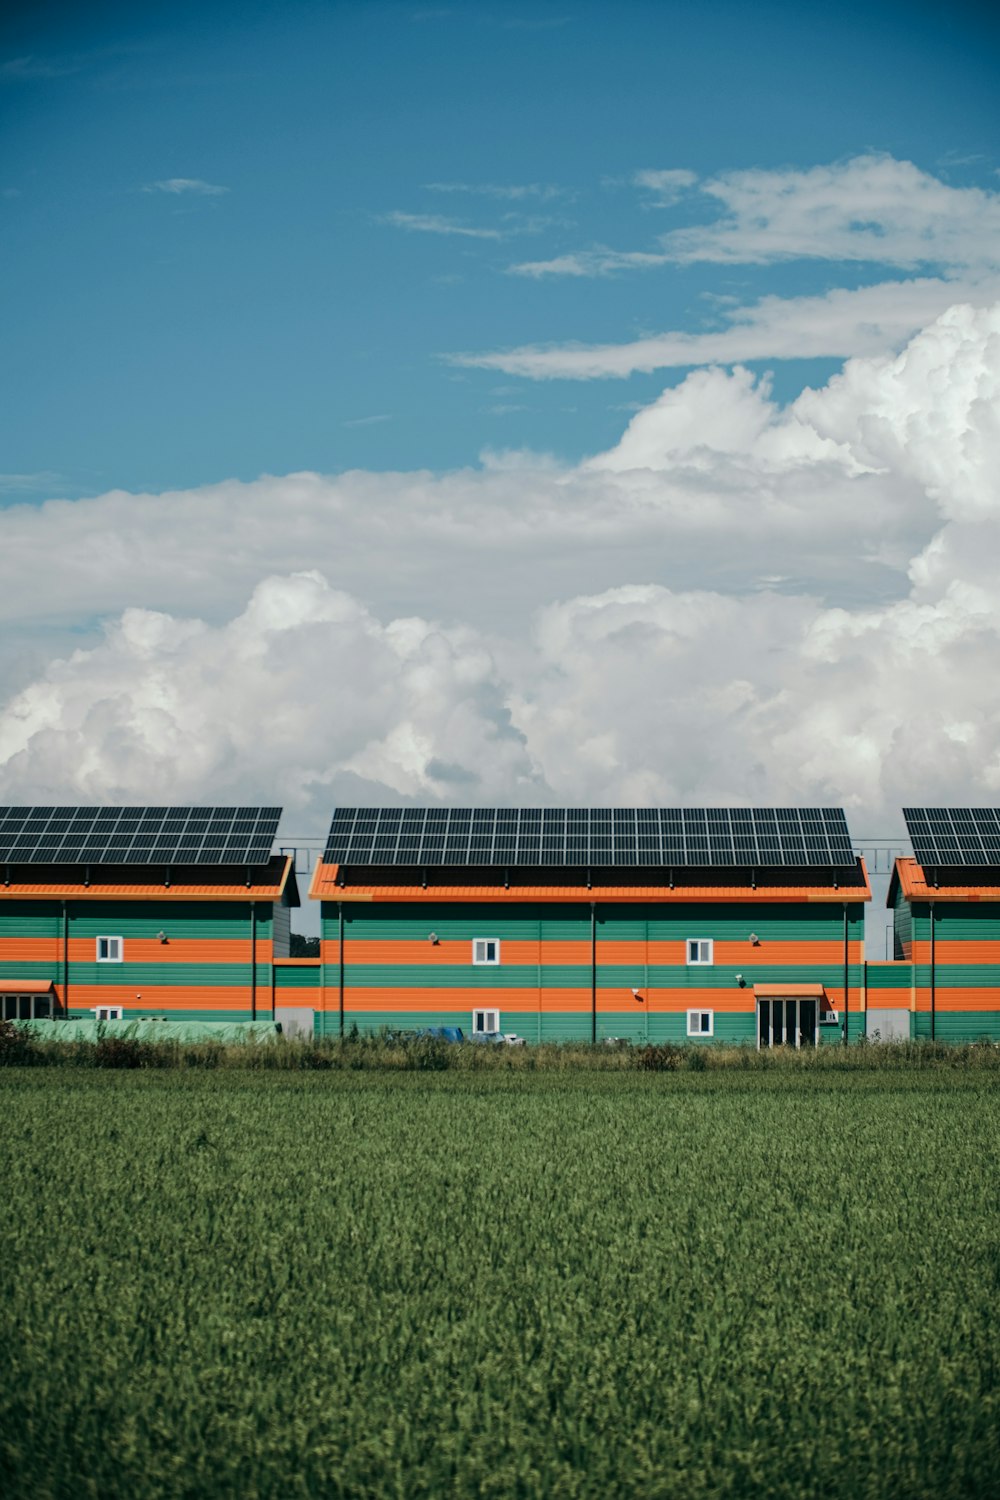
847	997
593	971
253	961
340	961
933	978
65	957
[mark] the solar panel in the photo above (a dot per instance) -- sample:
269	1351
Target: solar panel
137	835
963	836
717	836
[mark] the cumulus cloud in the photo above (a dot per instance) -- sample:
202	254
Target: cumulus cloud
738	602
302	685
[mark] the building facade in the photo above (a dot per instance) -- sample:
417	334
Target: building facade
946	940
128	913
669	939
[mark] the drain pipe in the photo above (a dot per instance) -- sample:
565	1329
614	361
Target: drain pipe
933	977
253	961
340	953
65	958
847	994
593	972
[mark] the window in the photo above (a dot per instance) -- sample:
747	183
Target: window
108	1012
485	1022
485	950
26	1007
109	950
699	950
701	1023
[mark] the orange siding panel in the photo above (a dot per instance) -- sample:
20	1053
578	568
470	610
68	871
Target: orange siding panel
156	997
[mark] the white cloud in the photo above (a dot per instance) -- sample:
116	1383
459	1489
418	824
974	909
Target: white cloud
596	262
839	324
438	224
871	209
175	704
665	186
180	185
738	602
514	192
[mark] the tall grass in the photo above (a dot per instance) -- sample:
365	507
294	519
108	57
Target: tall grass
501	1282
386	1052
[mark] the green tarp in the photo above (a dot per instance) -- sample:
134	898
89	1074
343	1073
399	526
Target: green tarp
253	1033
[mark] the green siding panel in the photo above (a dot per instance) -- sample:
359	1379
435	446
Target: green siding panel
959	976
296	979
618	923
977	922
30	919
176	976
959	1026
178	920
577	976
902	926
899	977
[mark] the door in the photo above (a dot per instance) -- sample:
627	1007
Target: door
296	1021
787	1022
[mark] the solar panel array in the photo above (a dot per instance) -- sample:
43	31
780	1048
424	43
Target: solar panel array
753	837
137	835
954	835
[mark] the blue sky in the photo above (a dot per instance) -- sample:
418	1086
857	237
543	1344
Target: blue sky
346	188
582	404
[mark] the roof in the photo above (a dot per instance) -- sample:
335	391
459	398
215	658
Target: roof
26	986
271	882
910	877
690	837
955	837
325	886
137	835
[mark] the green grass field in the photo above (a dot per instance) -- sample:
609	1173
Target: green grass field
500	1283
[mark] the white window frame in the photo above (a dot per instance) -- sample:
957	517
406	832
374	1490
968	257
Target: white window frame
108	1012
480	946
699	1030
115	956
486	1015
704	951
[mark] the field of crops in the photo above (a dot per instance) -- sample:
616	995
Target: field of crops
499	1283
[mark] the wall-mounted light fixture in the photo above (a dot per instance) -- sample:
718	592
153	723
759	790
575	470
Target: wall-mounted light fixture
163	937
637	995
740	980
755	939
433	939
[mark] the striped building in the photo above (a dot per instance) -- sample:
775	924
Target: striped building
660	925
945	905
129	912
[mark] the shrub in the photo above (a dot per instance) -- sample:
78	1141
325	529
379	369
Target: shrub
121	1052
662	1057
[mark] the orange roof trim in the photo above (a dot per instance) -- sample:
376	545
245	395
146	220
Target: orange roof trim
324	887
26	986
915	886
273	890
